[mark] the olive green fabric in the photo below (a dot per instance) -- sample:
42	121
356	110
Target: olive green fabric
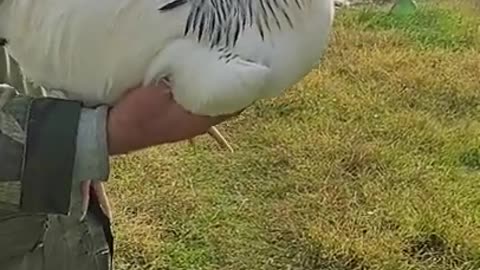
43	241
38	242
11	74
56	242
38	146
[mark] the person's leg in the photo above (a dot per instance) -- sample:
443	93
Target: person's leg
20	236
56	242
31	261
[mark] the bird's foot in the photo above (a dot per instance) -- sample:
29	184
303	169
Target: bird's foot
100	193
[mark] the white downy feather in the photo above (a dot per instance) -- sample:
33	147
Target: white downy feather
95	50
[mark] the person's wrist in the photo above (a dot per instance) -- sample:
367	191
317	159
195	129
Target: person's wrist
116	139
125	133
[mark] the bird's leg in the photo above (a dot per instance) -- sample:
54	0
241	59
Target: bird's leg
192	143
213	131
218	137
103	201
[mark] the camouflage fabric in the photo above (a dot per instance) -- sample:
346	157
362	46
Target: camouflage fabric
10	73
39	203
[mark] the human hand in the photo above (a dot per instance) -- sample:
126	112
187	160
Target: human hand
144	117
149	116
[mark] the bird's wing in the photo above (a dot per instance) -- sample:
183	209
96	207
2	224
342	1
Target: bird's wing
208	81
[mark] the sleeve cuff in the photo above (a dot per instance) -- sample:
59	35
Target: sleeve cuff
92	159
46	178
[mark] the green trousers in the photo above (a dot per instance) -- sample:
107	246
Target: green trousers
53	242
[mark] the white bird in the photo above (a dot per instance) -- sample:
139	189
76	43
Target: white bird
219	56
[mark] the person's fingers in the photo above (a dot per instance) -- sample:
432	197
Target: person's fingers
100	192
85	189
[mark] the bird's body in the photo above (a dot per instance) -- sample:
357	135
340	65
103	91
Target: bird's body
219	55
249	49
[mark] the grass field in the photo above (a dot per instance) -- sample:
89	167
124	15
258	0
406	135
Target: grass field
371	162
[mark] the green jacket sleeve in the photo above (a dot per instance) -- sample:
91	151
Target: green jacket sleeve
47	146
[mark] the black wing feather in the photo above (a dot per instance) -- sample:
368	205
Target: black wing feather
172	5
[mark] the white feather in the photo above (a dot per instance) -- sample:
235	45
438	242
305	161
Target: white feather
95	50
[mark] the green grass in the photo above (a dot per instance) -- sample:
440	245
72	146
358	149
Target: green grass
371	162
429	27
